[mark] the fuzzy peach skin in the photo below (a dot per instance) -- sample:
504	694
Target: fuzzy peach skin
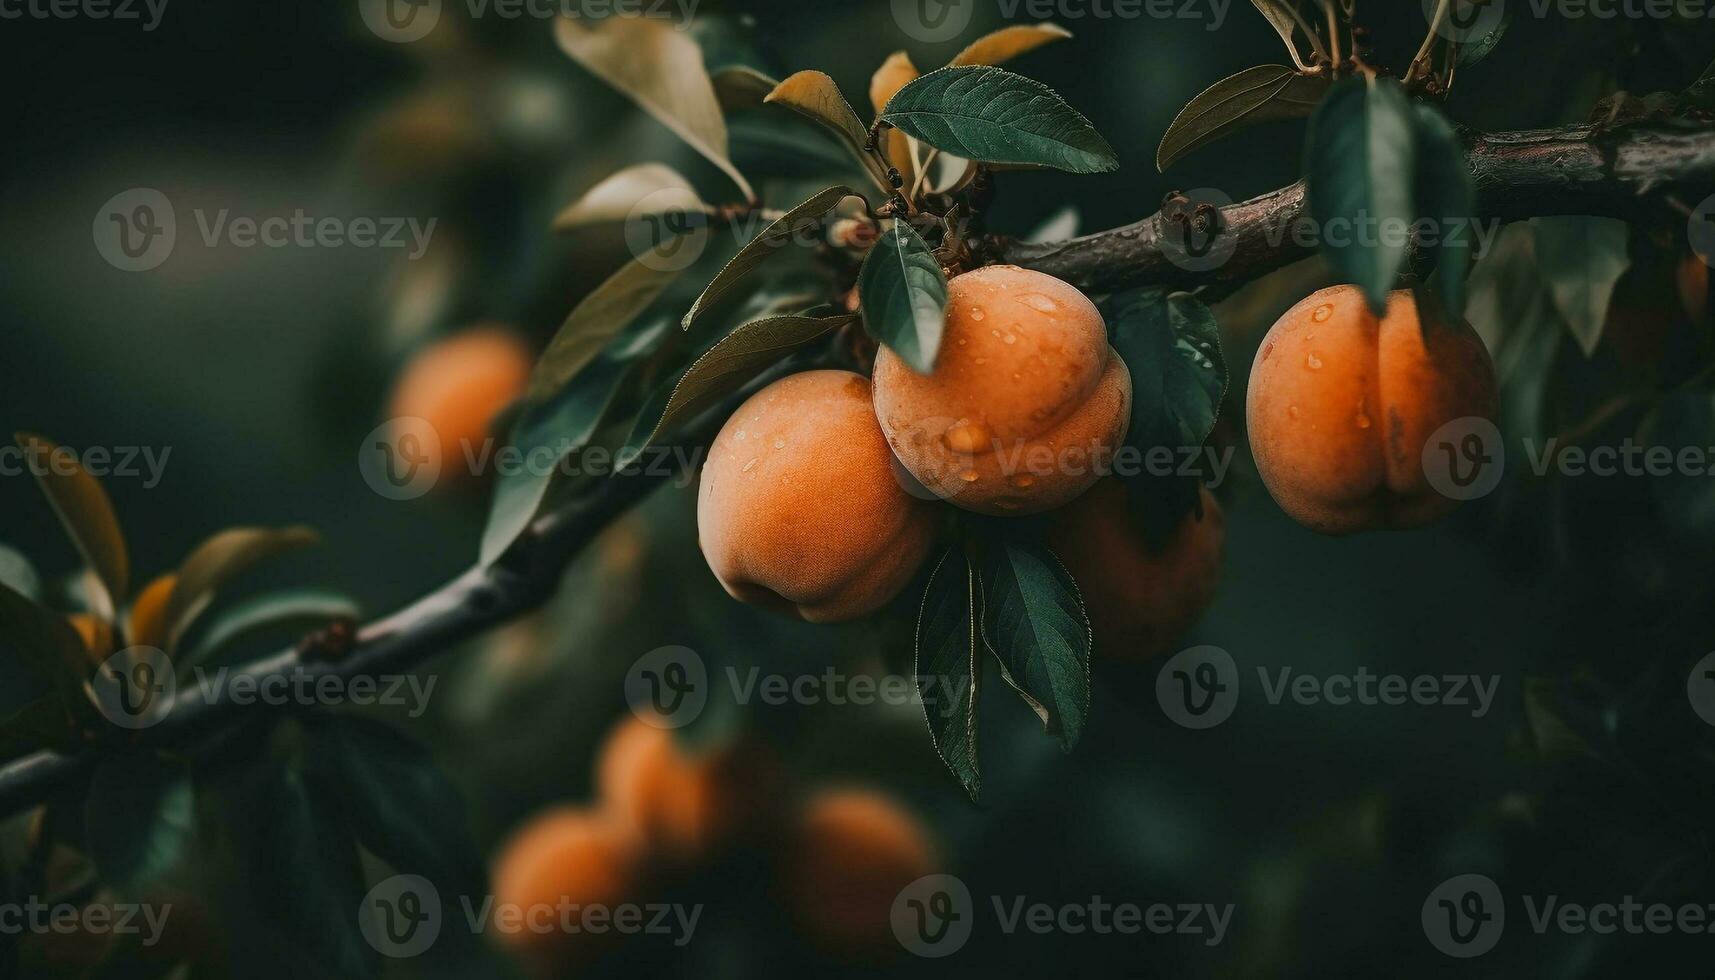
1341	404
1141	598
799	509
1027	402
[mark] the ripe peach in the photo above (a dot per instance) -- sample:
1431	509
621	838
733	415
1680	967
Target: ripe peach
458	385
561	857
1026	404
799	509
847	858
1342	403
681	804
1140	597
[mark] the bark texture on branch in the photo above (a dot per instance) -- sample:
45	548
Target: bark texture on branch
1577	170
1523	174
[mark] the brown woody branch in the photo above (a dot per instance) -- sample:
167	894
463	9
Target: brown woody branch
1577	170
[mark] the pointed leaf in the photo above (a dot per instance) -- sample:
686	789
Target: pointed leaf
648	188
661	69
1279	16
1445	195
1582	259
784	231
738	357
1261	94
298	610
1360	167
1171	346
904	296
1008	43
995	116
602	315
1033	620
218	561
86	513
742	87
892	76
146	625
814	95
946	668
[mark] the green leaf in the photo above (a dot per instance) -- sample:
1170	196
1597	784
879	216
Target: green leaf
946	666
1255	95
903	293
18	574
1278	13
660	68
219	560
1360	167
1582	258
87	515
602	316
728	365
297	610
139	820
646	189
742	87
1033	621
815	96
784	231
994	116
1446	196
1171	346
399	803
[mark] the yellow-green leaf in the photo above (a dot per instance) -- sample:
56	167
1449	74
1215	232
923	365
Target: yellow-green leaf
660	68
776	236
598	319
1008	43
216	562
814	95
1255	95
86	512
648	188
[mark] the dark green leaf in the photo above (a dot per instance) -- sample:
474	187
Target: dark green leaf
1171	346
217	561
46	644
1255	95
1280	17
1034	622
946	666
1445	196
1360	167
784	231
733	361
397	801
139	818
298	610
1582	259
994	116
904	296
606	312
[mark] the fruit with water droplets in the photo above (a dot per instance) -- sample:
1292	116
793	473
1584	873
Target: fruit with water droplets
1342	404
799	509
1026	404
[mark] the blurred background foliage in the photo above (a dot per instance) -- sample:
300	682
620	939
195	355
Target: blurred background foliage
1326	826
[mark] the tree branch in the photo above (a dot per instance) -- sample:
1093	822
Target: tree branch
1578	170
1524	174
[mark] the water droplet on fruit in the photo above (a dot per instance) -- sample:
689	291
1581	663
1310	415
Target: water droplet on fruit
1313	361
982	360
749	465
1292	410
1039	302
969	476
1023	480
977	313
1323	312
780	444
1011	338
1363	420
966	437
